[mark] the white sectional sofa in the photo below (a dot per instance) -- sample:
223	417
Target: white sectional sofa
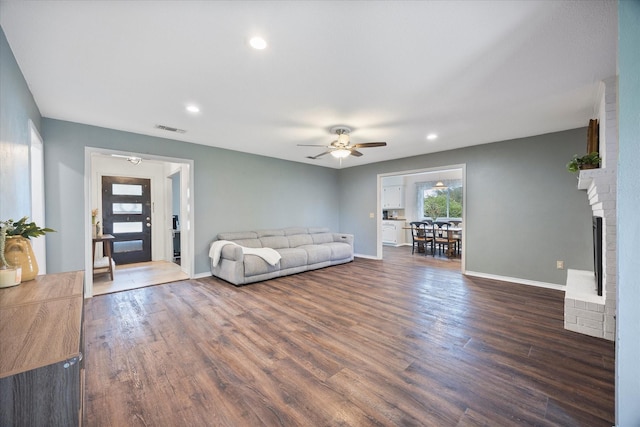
299	249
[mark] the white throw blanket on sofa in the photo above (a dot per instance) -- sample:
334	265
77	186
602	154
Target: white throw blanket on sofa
269	255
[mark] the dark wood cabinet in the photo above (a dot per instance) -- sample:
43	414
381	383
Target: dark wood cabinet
41	346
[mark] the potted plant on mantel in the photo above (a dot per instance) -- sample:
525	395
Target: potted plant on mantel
17	248
588	161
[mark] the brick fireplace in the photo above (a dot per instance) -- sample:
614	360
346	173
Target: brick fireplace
585	311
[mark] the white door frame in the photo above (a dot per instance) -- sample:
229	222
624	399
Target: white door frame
186	179
36	169
462	166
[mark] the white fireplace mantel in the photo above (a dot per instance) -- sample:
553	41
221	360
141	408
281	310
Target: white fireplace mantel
587	312
586	177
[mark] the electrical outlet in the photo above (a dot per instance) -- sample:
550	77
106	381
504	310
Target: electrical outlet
372	215
560	265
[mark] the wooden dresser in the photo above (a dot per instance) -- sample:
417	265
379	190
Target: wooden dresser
41	346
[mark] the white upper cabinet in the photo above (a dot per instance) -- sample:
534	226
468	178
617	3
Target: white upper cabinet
393	197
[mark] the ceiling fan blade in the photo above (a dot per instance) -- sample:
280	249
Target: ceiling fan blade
355	153
312	145
319	155
370	144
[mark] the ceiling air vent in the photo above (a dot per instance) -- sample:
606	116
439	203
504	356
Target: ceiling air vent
170	129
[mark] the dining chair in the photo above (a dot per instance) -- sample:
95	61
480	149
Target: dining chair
457	236
421	237
443	237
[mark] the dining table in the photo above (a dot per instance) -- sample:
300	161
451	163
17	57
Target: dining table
451	230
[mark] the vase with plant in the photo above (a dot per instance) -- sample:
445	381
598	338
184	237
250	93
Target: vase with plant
17	246
9	274
95	225
588	161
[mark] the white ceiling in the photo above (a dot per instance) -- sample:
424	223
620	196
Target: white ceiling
471	71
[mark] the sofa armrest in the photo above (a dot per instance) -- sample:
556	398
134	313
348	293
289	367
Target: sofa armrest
232	253
342	237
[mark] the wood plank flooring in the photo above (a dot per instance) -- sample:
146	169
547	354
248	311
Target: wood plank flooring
407	341
138	275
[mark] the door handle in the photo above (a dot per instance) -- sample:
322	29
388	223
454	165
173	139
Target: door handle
148	224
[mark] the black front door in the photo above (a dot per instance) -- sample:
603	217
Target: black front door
126	215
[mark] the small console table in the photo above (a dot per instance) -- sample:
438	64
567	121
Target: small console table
106	251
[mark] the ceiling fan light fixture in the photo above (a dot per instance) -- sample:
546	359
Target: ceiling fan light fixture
343	139
258	43
340	153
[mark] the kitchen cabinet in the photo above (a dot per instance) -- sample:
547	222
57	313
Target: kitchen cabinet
392	232
41	366
393	197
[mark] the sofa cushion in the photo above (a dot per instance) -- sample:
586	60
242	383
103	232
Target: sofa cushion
339	250
322	238
238	235
295	230
274	242
254	265
272	232
317	253
248	239
292	257
249	243
314	230
299	240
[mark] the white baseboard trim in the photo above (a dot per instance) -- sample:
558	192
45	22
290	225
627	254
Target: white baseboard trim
516	280
366	256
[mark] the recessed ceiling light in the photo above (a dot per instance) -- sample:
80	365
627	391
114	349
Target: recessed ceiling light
258	43
432	136
193	108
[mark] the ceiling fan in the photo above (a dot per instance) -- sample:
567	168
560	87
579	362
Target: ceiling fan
341	147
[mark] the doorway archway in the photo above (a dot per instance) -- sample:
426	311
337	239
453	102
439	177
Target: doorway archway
410	182
100	161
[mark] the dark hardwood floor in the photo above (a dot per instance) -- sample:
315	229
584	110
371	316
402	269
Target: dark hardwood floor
407	341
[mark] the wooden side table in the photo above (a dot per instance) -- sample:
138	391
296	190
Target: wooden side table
41	362
106	251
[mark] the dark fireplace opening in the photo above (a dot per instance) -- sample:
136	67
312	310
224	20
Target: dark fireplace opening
597	252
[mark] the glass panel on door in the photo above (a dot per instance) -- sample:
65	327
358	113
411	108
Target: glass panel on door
127	227
127	208
127	246
126	190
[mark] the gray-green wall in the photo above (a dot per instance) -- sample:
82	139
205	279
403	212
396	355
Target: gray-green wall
523	209
16	108
628	286
233	191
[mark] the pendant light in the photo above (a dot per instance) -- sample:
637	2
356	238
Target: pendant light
439	186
